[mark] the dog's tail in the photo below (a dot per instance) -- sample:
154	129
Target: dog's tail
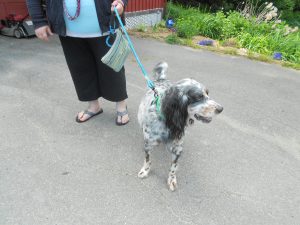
160	71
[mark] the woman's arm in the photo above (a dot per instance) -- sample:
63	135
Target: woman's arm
125	2
120	5
36	12
42	29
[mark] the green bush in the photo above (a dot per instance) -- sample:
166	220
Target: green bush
285	4
173	39
264	38
212	25
292	18
187	27
290	5
234	24
275	41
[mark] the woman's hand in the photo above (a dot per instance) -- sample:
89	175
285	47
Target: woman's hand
119	5
43	33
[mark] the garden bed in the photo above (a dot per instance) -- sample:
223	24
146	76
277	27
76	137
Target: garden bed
231	33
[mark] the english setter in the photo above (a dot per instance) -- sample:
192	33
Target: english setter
181	104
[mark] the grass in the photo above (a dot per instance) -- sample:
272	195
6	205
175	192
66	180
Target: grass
234	31
164	34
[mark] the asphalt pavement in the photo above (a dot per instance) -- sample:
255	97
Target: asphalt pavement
243	168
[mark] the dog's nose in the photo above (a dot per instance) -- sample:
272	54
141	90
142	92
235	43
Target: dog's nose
219	109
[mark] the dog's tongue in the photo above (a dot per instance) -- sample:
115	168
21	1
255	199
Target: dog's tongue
197	116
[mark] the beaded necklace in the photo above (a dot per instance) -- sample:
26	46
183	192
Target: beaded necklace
67	12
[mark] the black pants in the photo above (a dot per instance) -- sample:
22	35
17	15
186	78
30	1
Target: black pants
93	79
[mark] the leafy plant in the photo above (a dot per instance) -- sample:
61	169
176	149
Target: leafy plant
257	35
173	39
141	28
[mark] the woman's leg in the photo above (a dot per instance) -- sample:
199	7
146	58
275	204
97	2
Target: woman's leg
111	83
83	69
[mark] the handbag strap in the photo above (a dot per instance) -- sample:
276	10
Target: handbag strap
112	29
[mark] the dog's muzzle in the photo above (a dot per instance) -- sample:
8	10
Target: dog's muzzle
202	118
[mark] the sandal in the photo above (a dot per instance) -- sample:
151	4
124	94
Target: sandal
121	114
91	114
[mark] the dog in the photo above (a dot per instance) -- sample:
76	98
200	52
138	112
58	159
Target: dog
165	119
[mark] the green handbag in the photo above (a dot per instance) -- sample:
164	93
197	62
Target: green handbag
116	56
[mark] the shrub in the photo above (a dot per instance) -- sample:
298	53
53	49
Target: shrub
234	24
264	37
232	4
173	39
187	27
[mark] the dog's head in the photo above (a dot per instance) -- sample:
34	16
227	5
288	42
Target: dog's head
185	102
200	106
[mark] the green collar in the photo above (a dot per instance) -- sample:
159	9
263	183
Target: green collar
158	106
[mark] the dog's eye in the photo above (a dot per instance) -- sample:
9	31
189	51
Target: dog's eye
207	91
199	98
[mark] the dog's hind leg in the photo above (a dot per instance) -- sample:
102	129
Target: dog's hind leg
172	181
147	163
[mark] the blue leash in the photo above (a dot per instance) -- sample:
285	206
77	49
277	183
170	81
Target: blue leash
150	83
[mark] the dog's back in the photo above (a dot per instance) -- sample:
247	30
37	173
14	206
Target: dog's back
161	84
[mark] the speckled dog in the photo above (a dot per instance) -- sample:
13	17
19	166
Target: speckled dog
181	104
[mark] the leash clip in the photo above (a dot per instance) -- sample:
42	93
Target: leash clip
155	92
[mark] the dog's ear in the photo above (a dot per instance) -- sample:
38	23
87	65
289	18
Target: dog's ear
175	109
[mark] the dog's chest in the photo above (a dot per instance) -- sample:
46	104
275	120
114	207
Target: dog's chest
155	130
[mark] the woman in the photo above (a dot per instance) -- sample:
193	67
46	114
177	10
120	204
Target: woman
82	26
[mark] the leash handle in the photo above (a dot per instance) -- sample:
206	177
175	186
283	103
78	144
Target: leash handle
149	82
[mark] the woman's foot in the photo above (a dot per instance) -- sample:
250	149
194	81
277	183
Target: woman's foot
93	110
122	113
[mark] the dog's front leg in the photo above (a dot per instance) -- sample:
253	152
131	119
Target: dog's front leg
172	181
147	163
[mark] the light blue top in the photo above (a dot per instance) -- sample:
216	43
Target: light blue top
86	24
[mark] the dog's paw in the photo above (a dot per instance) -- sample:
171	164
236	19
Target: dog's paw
144	172
172	182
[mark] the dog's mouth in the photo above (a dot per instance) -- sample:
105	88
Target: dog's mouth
202	118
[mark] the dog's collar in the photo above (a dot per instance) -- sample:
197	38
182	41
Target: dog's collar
157	102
